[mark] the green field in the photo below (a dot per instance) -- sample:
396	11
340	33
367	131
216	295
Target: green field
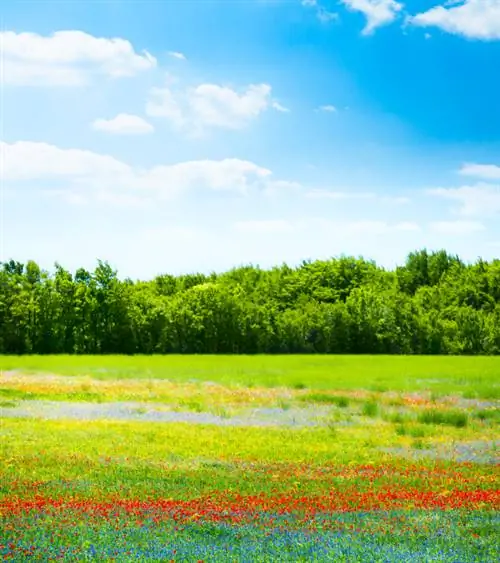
244	458
472	376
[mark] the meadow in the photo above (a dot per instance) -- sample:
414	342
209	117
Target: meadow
249	458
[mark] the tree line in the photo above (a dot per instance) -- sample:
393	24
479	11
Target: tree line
433	304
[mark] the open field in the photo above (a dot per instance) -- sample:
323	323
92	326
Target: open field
295	458
473	376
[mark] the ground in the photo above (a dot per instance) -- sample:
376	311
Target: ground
296	458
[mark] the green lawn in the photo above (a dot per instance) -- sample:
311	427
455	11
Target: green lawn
469	376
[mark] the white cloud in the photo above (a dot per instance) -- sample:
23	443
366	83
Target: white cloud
211	105
325	16
339	196
25	160
278	107
456	228
83	197
67	58
177	55
328	194
81	175
474	19
328	108
377	12
219	106
162	103
479	200
123	124
484	171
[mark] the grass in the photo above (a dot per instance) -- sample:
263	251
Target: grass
492	414
6	394
134	490
397	417
412	430
472	376
370	408
459	419
326	398
8	404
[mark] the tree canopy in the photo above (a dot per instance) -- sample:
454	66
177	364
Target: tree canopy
433	304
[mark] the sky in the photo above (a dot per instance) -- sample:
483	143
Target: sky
199	135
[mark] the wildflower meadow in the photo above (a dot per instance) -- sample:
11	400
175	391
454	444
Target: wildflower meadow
276	458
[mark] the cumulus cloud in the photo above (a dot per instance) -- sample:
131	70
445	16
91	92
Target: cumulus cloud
278	107
477	200
220	106
67	58
163	103
25	160
123	124
211	106
177	55
483	171
81	175
328	108
377	12
323	15
474	19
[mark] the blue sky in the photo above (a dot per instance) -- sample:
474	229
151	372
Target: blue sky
200	135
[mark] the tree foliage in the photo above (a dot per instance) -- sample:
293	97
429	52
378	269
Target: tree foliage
433	304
